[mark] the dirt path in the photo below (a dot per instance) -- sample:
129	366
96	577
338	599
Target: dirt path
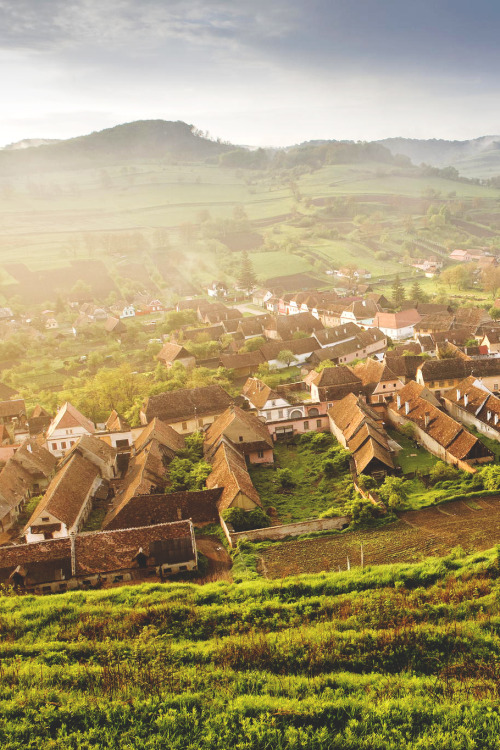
220	562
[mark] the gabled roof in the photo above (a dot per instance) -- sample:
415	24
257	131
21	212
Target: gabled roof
235	417
451	369
116	423
35	458
163	433
287	325
258	393
337	334
6	392
12	408
370	450
95	447
68	416
363	309
404	366
339	375
242	359
253	326
396	321
67	492
145	510
172	352
298	347
373	372
229	471
175	406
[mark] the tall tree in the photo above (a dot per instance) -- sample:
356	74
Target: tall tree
246	279
417	293
398	292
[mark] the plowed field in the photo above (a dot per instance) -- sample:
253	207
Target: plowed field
472	524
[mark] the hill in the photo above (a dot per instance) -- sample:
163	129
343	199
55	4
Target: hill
391	657
479	157
128	143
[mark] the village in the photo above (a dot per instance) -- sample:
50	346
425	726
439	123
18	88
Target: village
391	389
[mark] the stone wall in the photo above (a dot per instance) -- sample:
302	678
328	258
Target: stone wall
281	532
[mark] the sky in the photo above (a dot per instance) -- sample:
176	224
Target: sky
257	73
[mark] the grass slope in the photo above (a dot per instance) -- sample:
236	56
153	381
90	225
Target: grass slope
391	657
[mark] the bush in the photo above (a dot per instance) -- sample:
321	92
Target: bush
442	471
285	478
245	520
490	476
394	491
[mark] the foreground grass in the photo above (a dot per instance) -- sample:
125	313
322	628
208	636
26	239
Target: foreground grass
387	657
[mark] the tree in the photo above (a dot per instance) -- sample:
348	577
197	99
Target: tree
286	357
394	491
246	280
398	292
417	293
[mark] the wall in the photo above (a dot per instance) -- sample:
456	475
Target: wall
280	532
298	425
470	419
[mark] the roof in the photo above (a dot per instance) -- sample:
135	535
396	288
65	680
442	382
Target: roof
113	324
175	406
236	417
39	411
163	433
89	444
473	398
116	423
106	551
369	451
69	416
35	458
363	309
229	471
440	321
373	372
287	325
42	561
271	349
258	393
339	375
243	359
451	369
67	492
172	352
12	408
253	326
337	334
398	320
144	510
15	482
6	392
442	428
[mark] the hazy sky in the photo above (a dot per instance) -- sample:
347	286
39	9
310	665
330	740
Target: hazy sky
256	72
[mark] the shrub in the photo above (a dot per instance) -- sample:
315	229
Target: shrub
245	520
442	471
285	478
394	491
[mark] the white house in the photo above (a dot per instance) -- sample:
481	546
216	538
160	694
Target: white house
128	312
67	426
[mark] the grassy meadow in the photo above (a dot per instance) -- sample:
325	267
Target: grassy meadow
401	656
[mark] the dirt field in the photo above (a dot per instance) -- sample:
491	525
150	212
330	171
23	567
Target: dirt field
472	524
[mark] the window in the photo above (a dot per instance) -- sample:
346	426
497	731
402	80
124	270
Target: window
260	454
318	423
45	519
183	567
69	432
71	442
63	446
240	438
441	383
306	425
383	385
280	413
184	426
54	446
330	406
313	412
495	386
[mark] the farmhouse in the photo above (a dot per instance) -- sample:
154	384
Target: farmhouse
172	353
200	507
12	411
95	558
283	327
379	381
67	501
66	427
358	428
246	433
243	364
187	410
266	401
301	349
333	383
399	325
362	312
436	431
229	471
438	374
472	404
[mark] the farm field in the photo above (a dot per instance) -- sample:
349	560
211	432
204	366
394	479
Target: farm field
472	525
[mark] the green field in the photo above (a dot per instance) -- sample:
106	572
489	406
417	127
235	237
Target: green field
401	657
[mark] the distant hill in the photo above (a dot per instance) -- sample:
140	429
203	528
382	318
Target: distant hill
479	157
29	143
135	141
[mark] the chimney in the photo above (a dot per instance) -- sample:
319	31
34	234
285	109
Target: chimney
407	407
398	401
458	394
72	538
496	418
29	448
466	399
488	415
427	419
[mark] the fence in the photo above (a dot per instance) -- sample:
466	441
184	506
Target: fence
281	532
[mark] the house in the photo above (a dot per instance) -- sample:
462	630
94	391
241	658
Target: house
434	322
51	324
490	342
301	349
97	558
172	353
98	452
114	325
439	433
283	327
217	313
229	471
440	374
379	382
67	502
217	289
25	473
118	432
39	421
334	383
66	427
371	341
127	312
462	256
397	326
359	429
337	335
472	404
246	433
243	364
267	402
361	312
170	440
187	410
12	411
252	327
199	507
